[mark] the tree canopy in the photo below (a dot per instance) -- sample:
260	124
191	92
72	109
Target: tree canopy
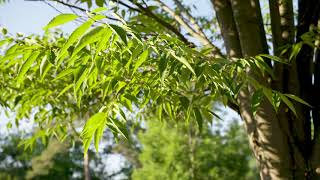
132	60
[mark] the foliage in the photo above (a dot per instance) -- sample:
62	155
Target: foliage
171	151
111	69
55	161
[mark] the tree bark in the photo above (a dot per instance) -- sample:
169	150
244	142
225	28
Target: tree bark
228	28
86	167
269	140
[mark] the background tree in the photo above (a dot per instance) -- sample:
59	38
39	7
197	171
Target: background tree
177	152
55	160
145	60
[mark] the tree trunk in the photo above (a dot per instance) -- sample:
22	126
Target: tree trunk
269	134
86	167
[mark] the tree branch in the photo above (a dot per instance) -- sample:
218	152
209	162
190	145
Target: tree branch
149	13
198	35
190	18
79	8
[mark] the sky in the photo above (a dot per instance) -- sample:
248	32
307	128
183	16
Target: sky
29	17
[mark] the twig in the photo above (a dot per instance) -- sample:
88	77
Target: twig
198	35
149	13
190	18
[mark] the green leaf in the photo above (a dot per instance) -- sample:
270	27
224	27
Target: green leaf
115	124
94	126
51	57
214	114
99	3
103	42
99	9
64	73
184	101
98	135
65	89
274	58
60	19
26	66
75	35
143	57
44	66
288	103
199	119
296	98
91	36
159	113
256	100
183	61
79	81
295	50
120	32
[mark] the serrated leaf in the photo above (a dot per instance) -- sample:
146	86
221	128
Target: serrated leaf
199	119
274	58
183	61
92	125
159	112
75	35
256	100
103	42
81	79
121	84
43	65
296	98
120	32
26	66
143	57
98	135
60	19
99	3
214	114
88	38
99	9
51	57
65	89
119	127
184	101
288	103
295	50
64	73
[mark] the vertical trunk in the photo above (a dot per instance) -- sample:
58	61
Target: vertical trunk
268	138
86	167
227	27
281	141
286	80
308	15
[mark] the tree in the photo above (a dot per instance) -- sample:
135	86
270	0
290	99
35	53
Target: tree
56	160
177	151
142	58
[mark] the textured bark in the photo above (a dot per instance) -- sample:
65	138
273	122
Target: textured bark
86	167
286	79
227	27
268	137
308	16
280	141
248	25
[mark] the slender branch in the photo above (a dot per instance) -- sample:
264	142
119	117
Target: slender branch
190	18
52	7
71	6
198	35
149	13
127	6
80	9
